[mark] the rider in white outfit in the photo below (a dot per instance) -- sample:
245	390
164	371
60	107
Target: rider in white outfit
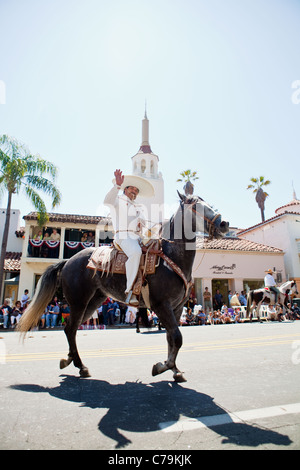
271	283
127	219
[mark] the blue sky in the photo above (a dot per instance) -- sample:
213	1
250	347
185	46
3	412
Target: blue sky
217	75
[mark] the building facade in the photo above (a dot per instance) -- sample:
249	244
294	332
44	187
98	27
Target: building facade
237	262
281	231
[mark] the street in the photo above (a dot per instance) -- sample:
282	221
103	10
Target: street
242	390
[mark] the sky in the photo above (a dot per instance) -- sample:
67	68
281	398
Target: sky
221	79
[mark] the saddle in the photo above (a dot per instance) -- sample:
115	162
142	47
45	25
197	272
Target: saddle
111	260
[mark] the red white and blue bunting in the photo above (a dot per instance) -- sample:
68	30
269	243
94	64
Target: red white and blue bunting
39	243
74	245
55	243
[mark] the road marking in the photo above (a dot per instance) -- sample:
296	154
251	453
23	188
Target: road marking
190	424
227	344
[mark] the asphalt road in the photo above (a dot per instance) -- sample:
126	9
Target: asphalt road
242	390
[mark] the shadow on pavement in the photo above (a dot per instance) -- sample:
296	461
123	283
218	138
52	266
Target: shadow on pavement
138	407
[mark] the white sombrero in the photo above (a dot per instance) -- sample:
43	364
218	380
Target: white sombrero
145	187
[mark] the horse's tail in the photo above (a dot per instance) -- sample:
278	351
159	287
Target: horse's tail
44	293
249	303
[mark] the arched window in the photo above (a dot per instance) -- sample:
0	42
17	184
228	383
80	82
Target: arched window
143	166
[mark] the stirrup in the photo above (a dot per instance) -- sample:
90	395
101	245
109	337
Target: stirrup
131	301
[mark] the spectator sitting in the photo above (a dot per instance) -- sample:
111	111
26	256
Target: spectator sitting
234	301
280	314
216	318
296	312
225	317
6	311
189	316
272	314
65	312
16	313
52	315
201	317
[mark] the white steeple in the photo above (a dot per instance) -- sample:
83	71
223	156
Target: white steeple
145	164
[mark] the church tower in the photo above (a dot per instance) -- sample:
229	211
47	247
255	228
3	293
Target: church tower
145	164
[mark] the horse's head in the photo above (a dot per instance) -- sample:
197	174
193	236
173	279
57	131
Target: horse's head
204	218
289	287
294	288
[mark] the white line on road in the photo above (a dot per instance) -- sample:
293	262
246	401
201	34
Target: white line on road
189	424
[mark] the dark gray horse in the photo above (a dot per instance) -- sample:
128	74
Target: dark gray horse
166	290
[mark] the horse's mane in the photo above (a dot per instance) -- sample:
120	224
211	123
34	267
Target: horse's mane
283	286
168	226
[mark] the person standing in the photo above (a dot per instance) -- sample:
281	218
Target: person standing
207	300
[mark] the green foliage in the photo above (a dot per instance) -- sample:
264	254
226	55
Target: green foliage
20	170
188	175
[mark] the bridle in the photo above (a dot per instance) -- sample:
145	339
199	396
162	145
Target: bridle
210	222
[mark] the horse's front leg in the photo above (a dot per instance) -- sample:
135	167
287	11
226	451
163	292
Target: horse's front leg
174	339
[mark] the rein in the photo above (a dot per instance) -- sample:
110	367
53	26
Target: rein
209	222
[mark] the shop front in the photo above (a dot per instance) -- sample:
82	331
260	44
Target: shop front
220	267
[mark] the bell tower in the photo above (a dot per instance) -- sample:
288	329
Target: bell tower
145	164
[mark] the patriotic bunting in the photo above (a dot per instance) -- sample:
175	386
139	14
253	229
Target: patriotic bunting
55	243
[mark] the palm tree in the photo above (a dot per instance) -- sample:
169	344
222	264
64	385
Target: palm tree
19	170
187	177
261	195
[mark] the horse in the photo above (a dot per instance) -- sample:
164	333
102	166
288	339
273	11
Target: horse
256	297
85	290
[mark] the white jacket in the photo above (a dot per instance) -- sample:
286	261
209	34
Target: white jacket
270	281
126	214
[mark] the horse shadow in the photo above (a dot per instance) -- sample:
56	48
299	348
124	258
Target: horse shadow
139	407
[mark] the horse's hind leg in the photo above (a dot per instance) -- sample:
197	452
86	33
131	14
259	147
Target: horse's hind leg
73	356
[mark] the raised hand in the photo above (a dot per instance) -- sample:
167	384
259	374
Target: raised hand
119	177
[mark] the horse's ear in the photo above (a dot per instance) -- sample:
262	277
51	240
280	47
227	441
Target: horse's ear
182	196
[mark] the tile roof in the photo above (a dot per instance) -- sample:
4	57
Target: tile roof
12	261
294	202
71	218
234	244
260	224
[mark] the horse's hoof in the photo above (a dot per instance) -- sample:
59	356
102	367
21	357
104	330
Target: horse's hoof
84	372
178	377
64	363
156	369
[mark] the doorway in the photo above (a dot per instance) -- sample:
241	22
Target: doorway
223	286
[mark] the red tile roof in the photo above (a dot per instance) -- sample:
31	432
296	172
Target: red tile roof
235	244
71	218
276	217
12	261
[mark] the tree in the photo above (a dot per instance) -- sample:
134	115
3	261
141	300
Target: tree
257	186
20	170
187	177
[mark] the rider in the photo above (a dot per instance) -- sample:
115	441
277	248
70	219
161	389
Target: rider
271	283
127	219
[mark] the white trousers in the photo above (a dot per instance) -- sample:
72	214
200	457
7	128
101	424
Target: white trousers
133	251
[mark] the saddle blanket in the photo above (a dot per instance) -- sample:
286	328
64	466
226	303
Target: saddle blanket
110	260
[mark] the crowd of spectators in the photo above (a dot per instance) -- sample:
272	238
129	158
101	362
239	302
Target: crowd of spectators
112	313
219	312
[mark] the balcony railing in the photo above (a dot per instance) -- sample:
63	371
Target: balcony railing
50	248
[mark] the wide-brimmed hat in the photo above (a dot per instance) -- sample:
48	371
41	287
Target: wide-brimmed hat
144	186
269	271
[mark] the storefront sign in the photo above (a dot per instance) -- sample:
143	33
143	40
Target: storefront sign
216	269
